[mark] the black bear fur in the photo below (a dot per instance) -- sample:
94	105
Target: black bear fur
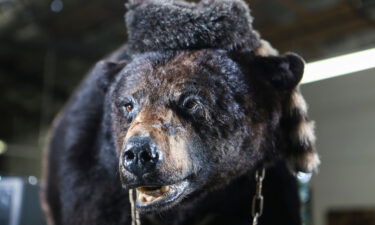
249	114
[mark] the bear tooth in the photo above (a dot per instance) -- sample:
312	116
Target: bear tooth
165	189
139	197
149	198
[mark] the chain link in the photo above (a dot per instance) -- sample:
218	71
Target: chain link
134	212
258	200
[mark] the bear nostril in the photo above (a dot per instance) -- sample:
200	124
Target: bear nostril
145	156
129	155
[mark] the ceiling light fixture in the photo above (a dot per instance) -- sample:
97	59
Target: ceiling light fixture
340	65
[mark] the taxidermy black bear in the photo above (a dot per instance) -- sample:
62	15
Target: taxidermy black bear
183	114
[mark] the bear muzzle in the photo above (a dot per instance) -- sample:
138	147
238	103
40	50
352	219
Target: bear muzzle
141	156
142	160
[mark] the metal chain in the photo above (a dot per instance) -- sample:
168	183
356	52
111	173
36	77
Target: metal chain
258	200
134	212
257	204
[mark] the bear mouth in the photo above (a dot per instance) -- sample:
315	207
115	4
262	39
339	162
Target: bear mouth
150	198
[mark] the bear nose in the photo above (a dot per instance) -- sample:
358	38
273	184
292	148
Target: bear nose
141	156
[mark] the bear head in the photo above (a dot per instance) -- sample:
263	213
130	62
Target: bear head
190	115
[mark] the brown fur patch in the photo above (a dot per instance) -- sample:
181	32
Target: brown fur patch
304	133
298	102
304	158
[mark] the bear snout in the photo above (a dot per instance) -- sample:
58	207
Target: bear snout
141	156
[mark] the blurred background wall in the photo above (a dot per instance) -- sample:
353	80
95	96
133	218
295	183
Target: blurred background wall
344	109
47	46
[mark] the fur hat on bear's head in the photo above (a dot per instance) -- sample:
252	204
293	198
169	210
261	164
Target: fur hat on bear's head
155	25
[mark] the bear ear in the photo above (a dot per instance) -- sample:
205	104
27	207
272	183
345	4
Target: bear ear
106	71
282	72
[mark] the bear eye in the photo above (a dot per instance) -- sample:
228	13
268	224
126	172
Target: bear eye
191	105
128	107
